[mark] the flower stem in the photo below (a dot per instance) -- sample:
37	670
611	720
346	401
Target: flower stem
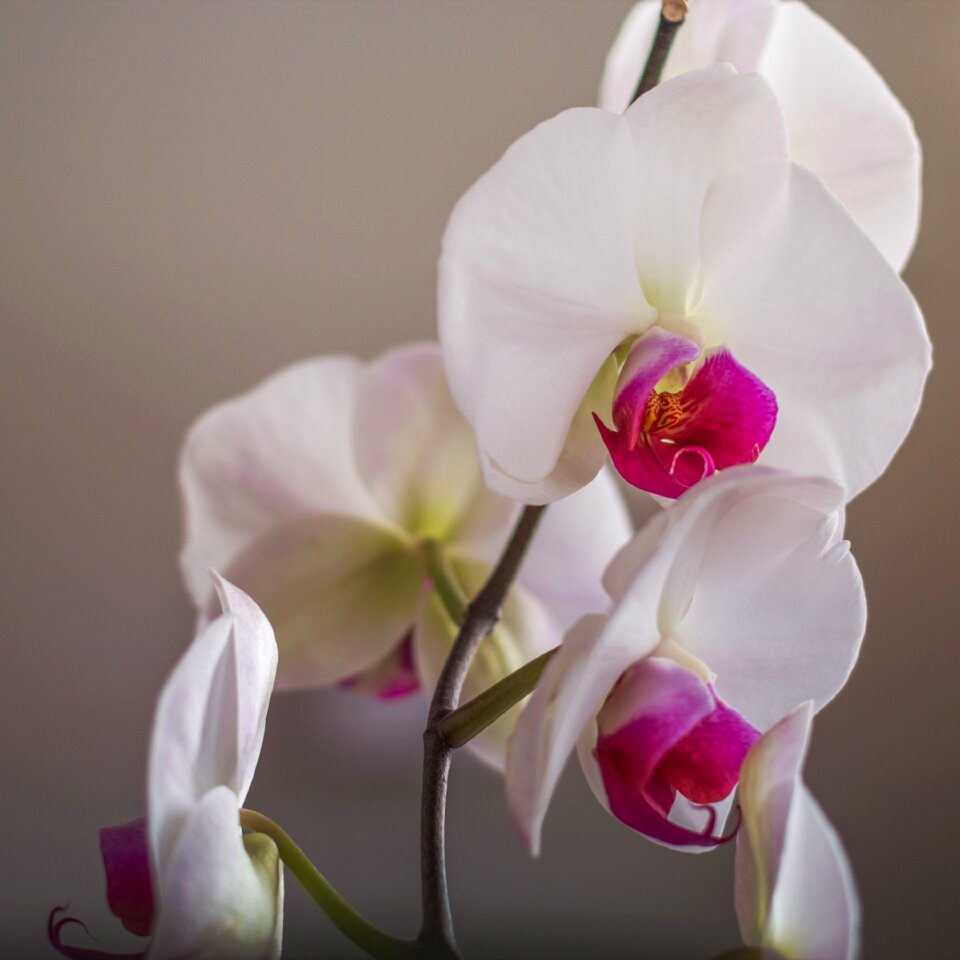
671	19
463	724
479	619
444	581
350	923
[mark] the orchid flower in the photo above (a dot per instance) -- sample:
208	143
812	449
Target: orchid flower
843	122
322	493
794	889
671	274
187	877
728	609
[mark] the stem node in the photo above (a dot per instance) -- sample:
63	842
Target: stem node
480	617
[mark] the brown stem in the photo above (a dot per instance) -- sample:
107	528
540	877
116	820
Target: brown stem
671	19
480	618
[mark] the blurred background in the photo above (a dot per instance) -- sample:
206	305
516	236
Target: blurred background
194	194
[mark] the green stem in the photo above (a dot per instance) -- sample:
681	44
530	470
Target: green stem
464	723
445	581
350	923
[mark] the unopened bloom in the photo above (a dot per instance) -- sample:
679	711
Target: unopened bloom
672	274
188	878
728	609
794	887
843	122
320	493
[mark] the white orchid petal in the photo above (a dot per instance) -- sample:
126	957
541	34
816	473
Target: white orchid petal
549	727
216	902
794	890
666	554
538	286
414	449
583	452
280	451
595	651
847	357
209	721
575	540
524	631
341	592
815	880
686	135
779	611
760	589
768	782
622	569
861	144
256	665
846	126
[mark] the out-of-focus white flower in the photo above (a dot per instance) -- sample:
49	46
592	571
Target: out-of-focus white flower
676	248
318	491
219	893
188	877
729	609
843	122
794	889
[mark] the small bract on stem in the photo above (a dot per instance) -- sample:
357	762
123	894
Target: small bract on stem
464	723
479	620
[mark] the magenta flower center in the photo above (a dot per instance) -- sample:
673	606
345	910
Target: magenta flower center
663	731
126	864
665	441
392	678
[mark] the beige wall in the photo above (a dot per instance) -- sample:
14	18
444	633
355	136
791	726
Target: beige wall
194	194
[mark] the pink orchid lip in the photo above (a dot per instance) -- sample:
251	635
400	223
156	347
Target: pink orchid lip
126	863
665	442
392	678
664	731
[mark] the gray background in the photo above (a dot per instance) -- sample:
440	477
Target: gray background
192	195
